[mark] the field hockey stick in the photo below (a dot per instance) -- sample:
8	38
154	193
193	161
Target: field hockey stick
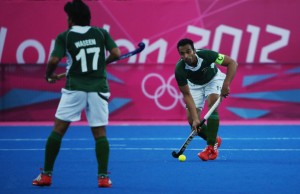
194	133
141	47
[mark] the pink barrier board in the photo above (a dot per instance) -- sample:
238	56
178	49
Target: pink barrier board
149	93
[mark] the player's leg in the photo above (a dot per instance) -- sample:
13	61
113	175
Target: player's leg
102	155
51	151
211	150
212	121
53	144
198	94
212	91
69	109
97	116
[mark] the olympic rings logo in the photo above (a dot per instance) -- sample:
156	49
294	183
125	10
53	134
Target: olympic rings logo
161	90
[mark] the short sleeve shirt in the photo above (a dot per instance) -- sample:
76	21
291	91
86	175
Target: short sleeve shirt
201	74
84	47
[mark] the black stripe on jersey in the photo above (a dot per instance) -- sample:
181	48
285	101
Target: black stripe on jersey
102	96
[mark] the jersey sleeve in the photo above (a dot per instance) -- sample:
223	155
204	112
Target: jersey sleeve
59	46
180	75
109	42
212	56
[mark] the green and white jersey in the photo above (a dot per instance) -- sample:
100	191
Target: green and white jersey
84	47
203	72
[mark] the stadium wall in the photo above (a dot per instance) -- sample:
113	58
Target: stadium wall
264	43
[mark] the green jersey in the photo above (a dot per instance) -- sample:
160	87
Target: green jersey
84	47
202	73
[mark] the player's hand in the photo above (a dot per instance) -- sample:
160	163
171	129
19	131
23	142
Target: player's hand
225	90
52	79
195	126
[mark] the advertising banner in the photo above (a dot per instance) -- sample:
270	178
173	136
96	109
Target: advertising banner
249	31
150	93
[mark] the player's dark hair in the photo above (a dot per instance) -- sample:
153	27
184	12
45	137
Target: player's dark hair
184	42
78	12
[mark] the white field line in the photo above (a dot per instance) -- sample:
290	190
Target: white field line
157	149
123	146
157	139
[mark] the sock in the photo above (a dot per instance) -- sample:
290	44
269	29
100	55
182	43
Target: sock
51	152
213	127
102	154
203	132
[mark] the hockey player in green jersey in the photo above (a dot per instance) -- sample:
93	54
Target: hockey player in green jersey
86	87
200	81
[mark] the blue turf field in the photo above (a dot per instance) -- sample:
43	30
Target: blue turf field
252	159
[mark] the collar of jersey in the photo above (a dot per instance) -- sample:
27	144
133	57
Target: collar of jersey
80	29
197	66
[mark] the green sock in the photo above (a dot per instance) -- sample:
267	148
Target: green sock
203	132
213	126
102	154
51	152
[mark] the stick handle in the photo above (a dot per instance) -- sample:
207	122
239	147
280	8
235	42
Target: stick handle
60	76
212	108
141	47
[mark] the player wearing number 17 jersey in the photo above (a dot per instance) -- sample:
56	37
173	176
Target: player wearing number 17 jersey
86	87
200	80
85	48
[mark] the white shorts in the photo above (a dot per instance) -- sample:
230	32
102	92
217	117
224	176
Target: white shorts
72	103
200	92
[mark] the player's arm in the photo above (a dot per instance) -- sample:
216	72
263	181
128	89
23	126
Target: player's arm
51	77
111	46
114	54
231	65
188	99
57	54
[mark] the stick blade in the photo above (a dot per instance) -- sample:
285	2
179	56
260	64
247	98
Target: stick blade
175	155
